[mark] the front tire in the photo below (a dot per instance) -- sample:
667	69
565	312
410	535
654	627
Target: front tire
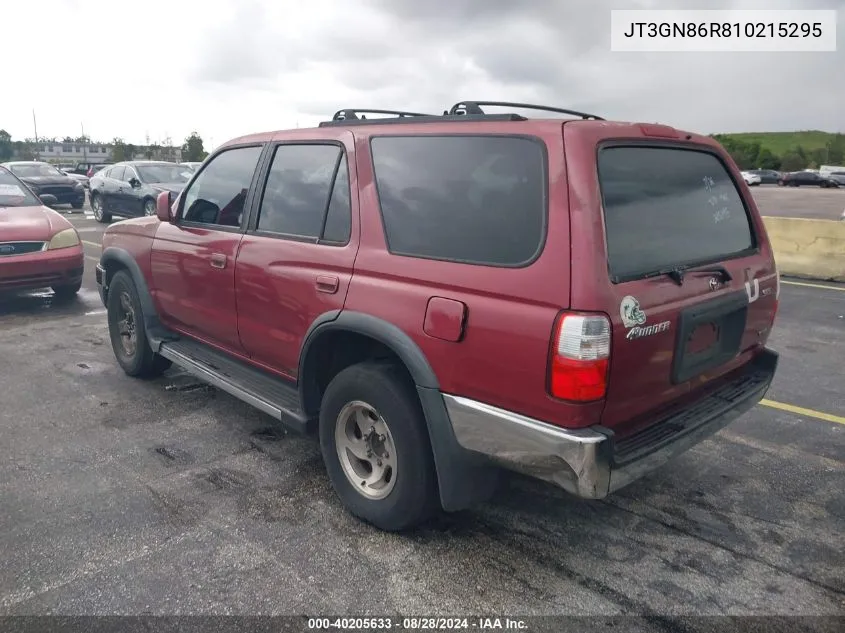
127	331
100	213
375	445
149	207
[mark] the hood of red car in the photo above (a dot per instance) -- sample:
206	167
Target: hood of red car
30	224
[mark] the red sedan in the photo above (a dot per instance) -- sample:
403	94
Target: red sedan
38	247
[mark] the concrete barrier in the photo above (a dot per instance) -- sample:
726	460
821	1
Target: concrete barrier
814	249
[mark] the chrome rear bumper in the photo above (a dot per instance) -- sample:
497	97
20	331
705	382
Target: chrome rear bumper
591	463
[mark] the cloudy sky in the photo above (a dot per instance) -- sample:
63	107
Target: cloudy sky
229	67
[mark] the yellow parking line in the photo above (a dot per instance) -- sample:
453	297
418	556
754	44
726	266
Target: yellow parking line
791	408
800	283
92	244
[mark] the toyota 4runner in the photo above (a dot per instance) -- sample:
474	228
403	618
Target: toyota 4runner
436	296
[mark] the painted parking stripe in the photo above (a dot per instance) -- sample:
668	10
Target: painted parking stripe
92	244
92	258
791	408
801	283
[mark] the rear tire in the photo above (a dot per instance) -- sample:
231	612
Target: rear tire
100	213
378	397
127	331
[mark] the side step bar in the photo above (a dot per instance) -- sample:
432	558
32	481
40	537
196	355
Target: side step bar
268	393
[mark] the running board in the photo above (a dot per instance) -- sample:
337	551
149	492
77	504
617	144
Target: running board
268	393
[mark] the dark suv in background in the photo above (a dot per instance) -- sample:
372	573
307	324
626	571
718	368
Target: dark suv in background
436	296
130	188
44	178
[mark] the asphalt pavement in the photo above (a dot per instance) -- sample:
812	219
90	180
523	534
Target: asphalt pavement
124	496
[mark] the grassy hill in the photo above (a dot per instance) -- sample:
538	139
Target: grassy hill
778	143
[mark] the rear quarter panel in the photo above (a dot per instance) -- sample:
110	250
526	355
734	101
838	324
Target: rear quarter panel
502	358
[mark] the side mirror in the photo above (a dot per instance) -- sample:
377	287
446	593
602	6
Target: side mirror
48	199
163	204
134	183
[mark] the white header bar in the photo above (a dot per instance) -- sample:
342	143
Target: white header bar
749	31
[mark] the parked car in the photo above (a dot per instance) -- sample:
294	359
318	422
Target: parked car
192	165
38	247
43	178
826	170
77	177
96	168
806	179
838	177
385	285
767	176
130	188
751	178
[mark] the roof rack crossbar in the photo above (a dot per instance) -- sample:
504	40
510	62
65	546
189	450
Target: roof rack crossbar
352	113
474	107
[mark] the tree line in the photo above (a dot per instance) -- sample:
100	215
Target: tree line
192	148
751	155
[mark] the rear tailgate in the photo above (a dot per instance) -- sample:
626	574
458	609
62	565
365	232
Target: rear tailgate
647	199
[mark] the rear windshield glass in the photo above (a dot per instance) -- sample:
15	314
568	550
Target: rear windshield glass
472	199
667	207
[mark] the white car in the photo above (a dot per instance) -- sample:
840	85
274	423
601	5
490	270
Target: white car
751	179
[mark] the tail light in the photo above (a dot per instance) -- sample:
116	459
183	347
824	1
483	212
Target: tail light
580	357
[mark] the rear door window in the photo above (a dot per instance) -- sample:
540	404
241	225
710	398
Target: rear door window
667	208
471	199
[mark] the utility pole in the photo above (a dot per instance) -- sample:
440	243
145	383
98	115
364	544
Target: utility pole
84	143
35	126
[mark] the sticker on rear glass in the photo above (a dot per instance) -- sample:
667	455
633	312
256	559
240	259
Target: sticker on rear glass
11	191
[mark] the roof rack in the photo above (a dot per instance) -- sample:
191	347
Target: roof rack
461	111
352	114
474	107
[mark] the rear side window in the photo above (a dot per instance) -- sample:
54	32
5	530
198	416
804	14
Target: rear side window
667	207
472	199
302	188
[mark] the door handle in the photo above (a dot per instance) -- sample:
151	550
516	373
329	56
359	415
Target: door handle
327	283
218	260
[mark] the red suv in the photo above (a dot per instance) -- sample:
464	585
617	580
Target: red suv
438	296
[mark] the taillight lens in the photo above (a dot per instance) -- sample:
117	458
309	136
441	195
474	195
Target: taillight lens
580	357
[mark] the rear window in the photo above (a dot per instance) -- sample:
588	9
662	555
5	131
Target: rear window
667	207
472	199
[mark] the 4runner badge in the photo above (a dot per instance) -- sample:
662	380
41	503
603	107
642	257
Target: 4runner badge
633	317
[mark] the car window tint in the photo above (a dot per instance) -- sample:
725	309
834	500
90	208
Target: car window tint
474	199
339	218
297	190
117	172
666	207
218	195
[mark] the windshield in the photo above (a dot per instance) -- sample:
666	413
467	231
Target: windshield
13	193
163	173
35	170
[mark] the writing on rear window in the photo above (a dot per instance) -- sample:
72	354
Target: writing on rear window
666	207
